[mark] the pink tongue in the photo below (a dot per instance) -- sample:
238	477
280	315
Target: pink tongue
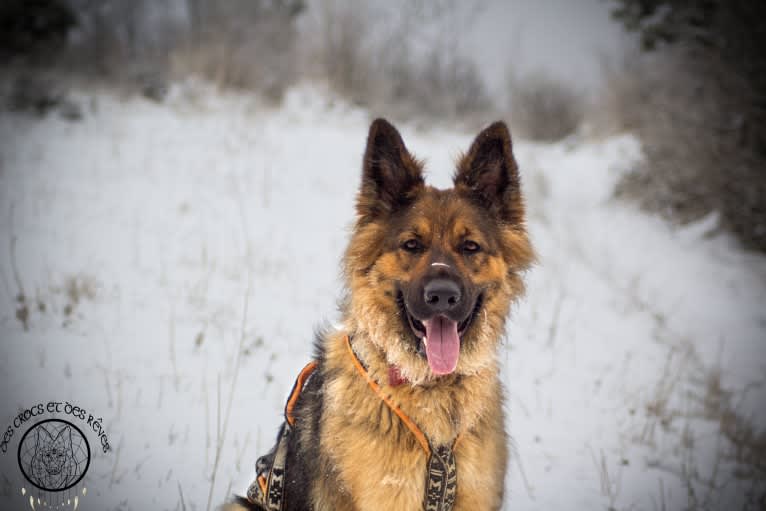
442	344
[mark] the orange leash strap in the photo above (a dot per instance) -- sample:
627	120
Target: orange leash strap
296	392
441	469
419	436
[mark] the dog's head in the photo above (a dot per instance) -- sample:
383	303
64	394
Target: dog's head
432	273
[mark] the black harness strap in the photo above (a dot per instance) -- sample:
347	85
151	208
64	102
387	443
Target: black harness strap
268	489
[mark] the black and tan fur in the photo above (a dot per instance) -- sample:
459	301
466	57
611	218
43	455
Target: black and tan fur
349	451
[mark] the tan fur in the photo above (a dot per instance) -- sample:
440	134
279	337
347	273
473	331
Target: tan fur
370	271
379	461
369	459
376	459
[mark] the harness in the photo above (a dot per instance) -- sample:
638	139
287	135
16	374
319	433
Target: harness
268	489
441	470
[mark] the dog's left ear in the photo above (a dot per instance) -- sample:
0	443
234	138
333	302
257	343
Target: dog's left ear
391	176
489	175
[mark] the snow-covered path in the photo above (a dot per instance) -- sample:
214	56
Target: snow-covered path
151	241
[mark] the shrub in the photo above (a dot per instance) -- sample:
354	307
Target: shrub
241	44
402	59
697	102
698	158
544	108
33	29
379	58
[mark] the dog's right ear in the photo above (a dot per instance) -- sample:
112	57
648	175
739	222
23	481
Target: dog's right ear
391	176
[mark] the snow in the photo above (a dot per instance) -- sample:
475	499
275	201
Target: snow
182	230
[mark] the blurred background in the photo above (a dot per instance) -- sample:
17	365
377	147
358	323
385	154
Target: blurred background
177	181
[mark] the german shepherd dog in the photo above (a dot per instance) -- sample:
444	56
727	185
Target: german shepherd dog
403	409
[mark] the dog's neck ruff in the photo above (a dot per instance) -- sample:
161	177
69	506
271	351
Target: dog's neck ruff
441	470
416	431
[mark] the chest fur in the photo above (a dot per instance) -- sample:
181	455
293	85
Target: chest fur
379	463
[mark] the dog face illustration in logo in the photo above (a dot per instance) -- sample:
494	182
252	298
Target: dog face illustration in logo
53	464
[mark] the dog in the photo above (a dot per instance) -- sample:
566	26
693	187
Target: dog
402	408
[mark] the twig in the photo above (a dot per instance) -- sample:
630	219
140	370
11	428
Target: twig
663	506
207	421
181	494
237	362
172	341
119	395
112	478
7	287
218	409
107	386
242	451
609	488
14	265
553	330
706	502
161	392
527	487
22	307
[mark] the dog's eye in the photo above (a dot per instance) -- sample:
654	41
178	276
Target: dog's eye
412	245
470	247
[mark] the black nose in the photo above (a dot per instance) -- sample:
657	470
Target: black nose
441	295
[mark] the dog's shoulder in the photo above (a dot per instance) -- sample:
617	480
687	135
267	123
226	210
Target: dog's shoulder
304	460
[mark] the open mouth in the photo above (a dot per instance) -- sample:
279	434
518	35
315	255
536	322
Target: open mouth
439	337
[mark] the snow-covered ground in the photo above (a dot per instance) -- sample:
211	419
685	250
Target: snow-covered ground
152	241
